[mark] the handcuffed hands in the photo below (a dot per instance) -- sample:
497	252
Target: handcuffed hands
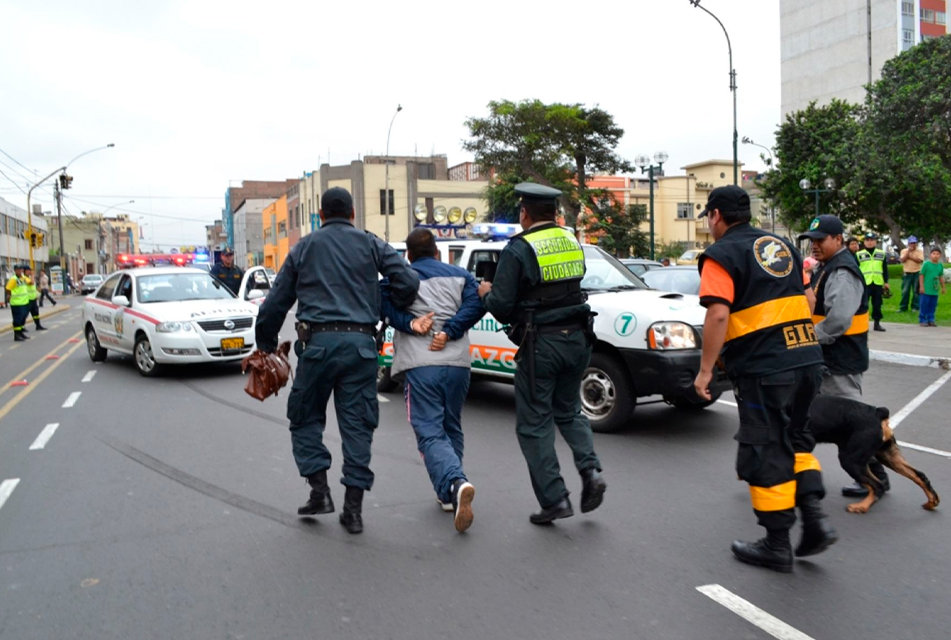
423	324
439	341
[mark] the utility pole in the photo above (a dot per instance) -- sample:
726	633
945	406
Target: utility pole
58	196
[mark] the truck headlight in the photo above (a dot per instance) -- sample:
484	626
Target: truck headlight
173	327
671	335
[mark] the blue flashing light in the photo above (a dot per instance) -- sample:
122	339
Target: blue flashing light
496	230
200	257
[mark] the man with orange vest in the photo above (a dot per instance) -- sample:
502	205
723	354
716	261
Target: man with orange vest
759	325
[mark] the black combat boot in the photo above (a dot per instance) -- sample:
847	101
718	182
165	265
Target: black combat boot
561	509
878	326
773	552
40	327
351	516
817	534
19	337
320	500
592	490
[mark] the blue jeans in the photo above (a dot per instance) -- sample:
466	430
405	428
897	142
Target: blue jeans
929	304
434	399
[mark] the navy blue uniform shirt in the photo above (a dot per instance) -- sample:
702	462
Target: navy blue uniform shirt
334	275
230	276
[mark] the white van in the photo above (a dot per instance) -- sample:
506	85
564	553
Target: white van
649	342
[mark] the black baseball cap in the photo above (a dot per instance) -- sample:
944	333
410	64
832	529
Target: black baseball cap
728	199
336	200
822	226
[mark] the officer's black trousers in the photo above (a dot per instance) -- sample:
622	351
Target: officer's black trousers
875	300
35	311
344	364
775	445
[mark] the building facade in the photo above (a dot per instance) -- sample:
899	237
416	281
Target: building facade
234	196
216	238
249	232
274	220
834	49
14	243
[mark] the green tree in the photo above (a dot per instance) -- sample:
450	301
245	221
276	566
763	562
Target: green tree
672	249
619	227
557	145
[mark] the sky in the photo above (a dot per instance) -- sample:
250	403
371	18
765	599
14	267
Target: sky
199	95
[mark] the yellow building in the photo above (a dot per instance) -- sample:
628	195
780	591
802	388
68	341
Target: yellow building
416	185
276	242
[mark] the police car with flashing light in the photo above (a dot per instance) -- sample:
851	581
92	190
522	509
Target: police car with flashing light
649	341
172	315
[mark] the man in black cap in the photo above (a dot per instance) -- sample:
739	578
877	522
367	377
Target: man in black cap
333	275
874	267
227	272
759	317
841	318
537	291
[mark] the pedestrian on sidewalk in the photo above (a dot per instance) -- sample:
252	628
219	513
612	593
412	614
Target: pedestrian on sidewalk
912	257
18	297
45	289
434	358
929	280
872	263
759	325
333	275
33	294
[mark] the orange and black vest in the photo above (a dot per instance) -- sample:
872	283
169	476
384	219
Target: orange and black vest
770	327
849	352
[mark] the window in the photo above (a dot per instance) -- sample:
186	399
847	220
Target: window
684	211
908	8
88	245
940	17
481	256
927	15
383	203
125	288
427	171
282	229
105	291
90	267
908	36
455	255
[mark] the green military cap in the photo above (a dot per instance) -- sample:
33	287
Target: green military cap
532	192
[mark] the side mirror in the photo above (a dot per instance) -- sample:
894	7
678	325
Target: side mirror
485	270
255	294
122	301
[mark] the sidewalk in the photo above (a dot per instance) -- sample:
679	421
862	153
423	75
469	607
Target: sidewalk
911	345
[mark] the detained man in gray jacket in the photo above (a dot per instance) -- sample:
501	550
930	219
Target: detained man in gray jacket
431	350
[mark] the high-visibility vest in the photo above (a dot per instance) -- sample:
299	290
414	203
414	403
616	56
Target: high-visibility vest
19	294
31	288
871	265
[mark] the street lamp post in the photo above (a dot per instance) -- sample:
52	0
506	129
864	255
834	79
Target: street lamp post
805	185
748	140
696	3
386	179
644	162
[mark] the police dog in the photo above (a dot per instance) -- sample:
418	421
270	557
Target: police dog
861	431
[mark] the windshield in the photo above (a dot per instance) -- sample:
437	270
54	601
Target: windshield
606	273
93	278
676	280
176	287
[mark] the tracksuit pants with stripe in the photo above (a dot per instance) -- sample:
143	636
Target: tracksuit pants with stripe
774	454
434	398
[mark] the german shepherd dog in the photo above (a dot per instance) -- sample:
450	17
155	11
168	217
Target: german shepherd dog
861	431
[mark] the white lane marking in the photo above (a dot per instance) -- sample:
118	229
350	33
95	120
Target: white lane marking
381	398
6	488
44	436
71	400
751	613
918	400
918	447
89	376
732	404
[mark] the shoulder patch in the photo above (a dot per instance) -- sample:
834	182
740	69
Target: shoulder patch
773	256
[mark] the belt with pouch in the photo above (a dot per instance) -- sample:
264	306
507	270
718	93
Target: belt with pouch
560	328
306	330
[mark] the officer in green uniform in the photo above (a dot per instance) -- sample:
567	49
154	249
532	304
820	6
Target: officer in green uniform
18	298
33	295
537	291
875	270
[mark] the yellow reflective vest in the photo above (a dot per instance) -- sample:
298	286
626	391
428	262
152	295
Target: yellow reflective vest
19	293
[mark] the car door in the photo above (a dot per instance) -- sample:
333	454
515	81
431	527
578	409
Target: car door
104	310
255	279
120	320
490	351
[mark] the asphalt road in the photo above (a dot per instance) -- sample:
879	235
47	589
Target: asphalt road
166	508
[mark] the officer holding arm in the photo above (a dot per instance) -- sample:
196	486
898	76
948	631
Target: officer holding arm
333	275
537	290
226	271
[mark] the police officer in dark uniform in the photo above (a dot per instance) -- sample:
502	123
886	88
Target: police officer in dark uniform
227	272
333	274
758	314
537	290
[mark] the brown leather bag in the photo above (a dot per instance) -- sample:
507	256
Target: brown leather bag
269	371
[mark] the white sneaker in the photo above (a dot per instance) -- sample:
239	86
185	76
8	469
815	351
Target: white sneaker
446	506
464	495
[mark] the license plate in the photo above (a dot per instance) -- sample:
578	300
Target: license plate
232	344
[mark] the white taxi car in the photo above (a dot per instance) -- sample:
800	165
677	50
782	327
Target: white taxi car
171	315
648	342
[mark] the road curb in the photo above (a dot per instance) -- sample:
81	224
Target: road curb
910	359
59	308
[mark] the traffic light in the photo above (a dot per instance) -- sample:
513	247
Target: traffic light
33	238
65	181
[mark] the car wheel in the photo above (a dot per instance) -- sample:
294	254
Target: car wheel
384	381
144	358
691	403
607	394
96	352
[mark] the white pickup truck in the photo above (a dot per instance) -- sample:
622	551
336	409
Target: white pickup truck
649	341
